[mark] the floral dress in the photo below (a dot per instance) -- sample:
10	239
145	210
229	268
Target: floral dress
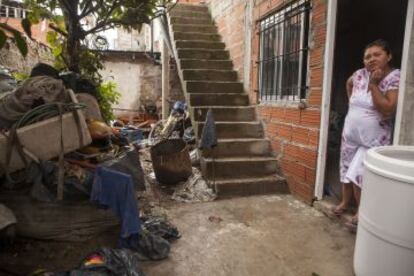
364	126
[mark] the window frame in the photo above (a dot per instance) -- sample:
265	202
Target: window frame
279	24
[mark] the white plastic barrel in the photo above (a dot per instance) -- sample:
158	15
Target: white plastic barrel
385	237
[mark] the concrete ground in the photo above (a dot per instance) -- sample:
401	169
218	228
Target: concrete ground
260	235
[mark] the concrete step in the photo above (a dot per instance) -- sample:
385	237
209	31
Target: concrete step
240	148
213	87
205	29
209	99
221	168
225	113
191	44
206	64
197	36
203	54
189	14
272	184
209	75
190	7
226	130
192	21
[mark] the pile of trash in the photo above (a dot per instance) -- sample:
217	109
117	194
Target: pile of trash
63	167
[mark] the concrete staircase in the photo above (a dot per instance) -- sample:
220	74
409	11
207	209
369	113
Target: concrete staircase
242	163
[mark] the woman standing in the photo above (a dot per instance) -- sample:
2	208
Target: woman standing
372	93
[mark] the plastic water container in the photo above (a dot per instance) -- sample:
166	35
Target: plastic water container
385	236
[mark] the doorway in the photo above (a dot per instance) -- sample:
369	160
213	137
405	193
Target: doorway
357	24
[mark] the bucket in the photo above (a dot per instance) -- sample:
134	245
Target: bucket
171	161
385	236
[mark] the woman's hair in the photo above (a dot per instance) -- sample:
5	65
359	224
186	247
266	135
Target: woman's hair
380	43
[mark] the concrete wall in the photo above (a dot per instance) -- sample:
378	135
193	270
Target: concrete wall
137	77
11	58
294	132
405	115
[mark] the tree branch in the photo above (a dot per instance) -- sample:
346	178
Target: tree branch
58	30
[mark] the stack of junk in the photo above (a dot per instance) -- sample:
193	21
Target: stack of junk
67	175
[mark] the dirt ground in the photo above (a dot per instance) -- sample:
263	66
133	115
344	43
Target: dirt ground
259	235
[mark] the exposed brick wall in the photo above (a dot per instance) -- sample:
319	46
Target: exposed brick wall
294	132
229	16
39	31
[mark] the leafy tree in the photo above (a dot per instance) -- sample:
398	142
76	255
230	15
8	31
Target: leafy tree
7	30
68	18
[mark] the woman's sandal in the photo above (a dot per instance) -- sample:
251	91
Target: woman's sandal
352	225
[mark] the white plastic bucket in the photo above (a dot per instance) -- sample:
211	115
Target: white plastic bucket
385	236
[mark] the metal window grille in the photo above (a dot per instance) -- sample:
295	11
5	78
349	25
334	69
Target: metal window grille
12	12
284	53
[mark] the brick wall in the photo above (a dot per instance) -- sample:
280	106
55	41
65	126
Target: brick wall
229	16
294	132
39	31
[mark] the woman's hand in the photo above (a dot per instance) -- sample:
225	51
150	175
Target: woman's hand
376	76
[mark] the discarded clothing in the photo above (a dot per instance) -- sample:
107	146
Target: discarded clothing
33	92
115	190
44	176
159	226
147	245
106	262
208	136
129	163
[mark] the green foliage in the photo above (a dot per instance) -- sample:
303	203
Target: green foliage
19	76
71	34
18	38
107	95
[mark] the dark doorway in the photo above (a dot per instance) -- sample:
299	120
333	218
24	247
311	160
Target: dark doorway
358	23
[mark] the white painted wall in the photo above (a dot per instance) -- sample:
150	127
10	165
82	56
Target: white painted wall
138	83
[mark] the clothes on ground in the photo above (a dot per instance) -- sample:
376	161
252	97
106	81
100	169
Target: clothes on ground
364	127
159	226
115	190
208	136
147	245
129	163
106	262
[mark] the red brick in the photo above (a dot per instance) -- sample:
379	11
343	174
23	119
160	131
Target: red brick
293	168
310	117
316	57
300	135
277	145
277	113
303	155
272	129
315	98
316	77
310	176
285	131
292	115
313	138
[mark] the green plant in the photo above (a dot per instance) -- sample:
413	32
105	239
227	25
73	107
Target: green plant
19	76
107	95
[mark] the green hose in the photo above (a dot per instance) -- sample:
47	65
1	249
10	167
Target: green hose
46	111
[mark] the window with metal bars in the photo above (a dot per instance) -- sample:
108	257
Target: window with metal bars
284	53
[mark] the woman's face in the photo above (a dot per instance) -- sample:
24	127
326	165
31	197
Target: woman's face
376	58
